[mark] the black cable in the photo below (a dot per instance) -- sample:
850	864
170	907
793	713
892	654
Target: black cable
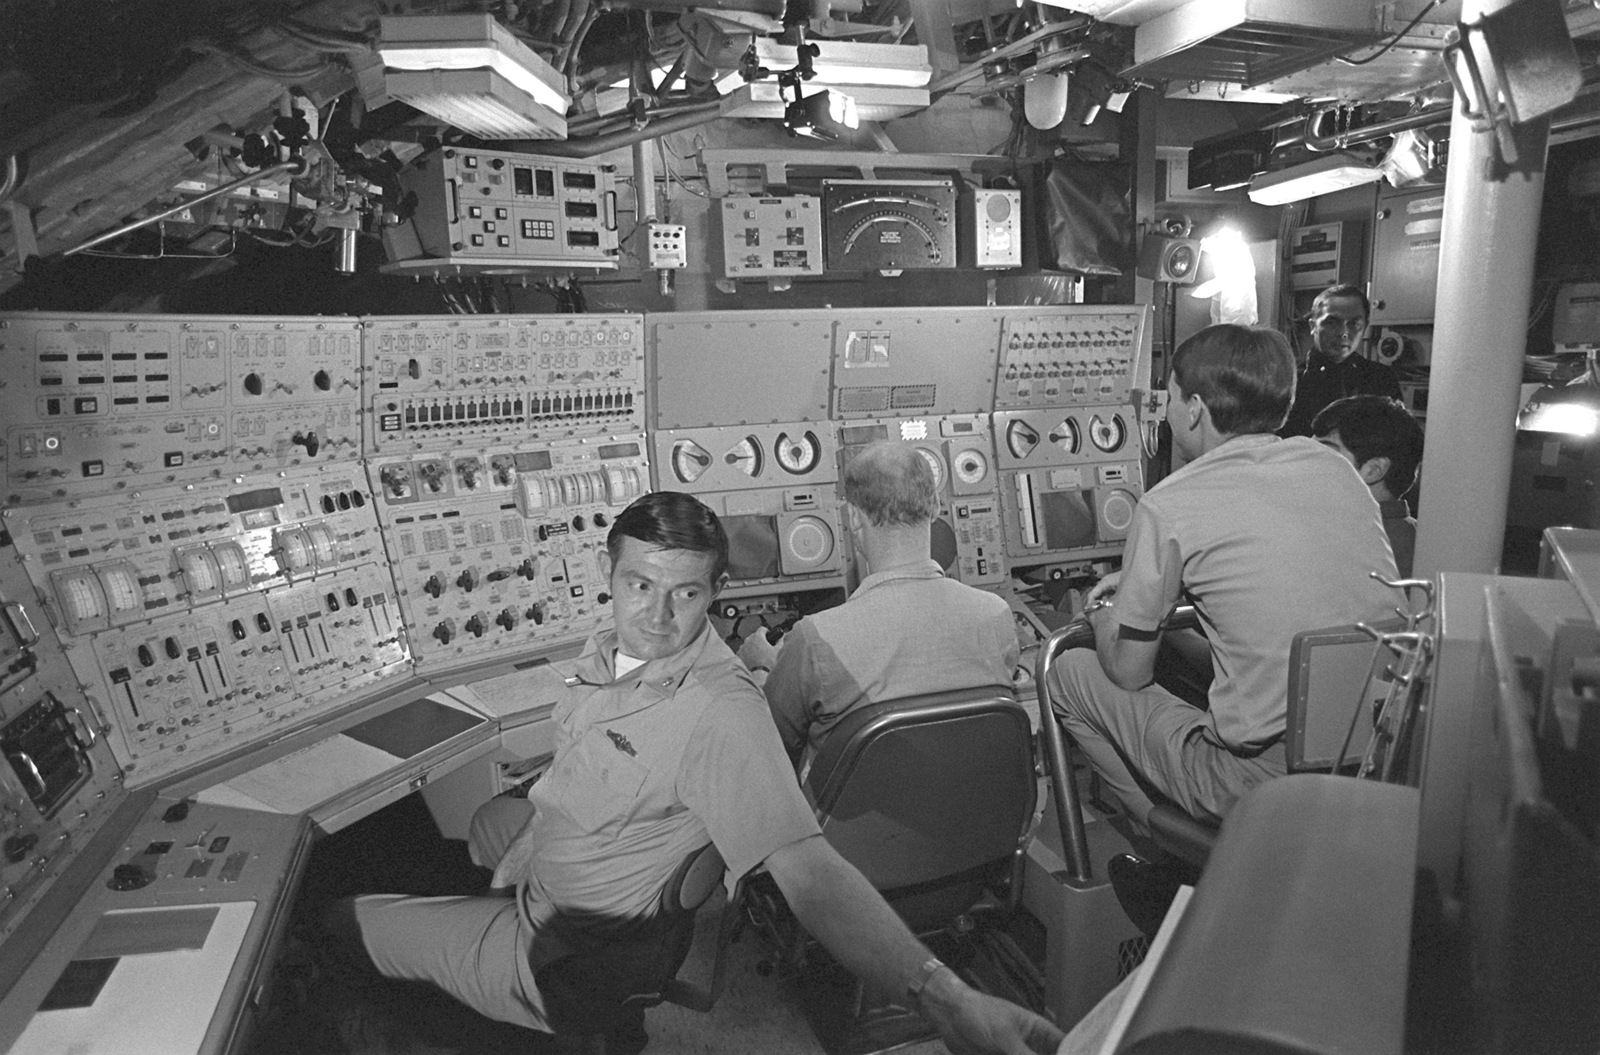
1392	40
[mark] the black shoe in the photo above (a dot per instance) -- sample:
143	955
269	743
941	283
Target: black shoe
1144	890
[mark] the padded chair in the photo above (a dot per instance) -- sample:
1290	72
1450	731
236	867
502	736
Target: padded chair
603	988
1328	670
932	798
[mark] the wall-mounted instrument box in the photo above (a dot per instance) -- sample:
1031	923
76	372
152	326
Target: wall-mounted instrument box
1405	255
1324	255
991	228
877	226
766	237
493	212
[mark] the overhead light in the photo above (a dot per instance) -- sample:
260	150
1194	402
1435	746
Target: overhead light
471	72
764	99
844	62
1323	174
826	114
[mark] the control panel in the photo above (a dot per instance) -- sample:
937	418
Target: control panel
876	226
769	237
96	404
479	208
1070	356
59	782
774	488
958	450
198	618
436	381
498	547
913	361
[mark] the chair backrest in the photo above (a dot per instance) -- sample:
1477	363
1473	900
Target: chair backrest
694	880
915	790
1332	673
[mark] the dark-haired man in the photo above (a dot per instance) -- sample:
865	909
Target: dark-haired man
905	631
1336	368
667	745
1265	537
1383	441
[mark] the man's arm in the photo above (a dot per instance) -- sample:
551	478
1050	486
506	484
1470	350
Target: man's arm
1127	654
838	907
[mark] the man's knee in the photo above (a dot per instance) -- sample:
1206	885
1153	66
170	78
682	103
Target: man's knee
1072	681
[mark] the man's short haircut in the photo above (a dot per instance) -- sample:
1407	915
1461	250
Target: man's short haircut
1376	427
1245	374
1343	289
672	520
891	484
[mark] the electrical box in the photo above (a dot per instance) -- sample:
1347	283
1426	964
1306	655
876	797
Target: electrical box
991	228
668	246
1324	255
769	237
1405	255
494	212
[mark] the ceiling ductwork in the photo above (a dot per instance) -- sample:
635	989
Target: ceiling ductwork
1249	42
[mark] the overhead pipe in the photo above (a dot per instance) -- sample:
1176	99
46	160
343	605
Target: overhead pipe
690	117
1435	115
294	166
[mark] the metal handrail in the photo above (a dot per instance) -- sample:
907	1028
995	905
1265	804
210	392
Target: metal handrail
1069	809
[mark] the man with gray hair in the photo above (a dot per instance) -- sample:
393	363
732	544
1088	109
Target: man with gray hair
905	631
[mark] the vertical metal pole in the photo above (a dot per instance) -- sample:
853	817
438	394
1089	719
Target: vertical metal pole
1486	250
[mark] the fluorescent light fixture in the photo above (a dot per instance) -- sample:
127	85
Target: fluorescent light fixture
1323	174
844	62
479	102
470	71
762	99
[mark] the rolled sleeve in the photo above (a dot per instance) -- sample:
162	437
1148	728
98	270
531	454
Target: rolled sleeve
1152	572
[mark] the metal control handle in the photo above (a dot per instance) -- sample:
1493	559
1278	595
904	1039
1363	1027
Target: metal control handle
1069	809
17	616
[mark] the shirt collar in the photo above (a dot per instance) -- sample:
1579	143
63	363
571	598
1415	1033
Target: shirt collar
1317	361
921	569
661	677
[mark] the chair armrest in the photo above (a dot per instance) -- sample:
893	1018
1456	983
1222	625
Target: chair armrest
1298	935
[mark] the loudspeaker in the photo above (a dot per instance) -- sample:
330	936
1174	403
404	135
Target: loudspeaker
1175	260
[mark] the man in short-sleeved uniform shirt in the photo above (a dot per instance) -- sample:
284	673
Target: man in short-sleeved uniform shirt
648	766
1266	537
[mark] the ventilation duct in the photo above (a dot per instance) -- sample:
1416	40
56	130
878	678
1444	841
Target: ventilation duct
1249	42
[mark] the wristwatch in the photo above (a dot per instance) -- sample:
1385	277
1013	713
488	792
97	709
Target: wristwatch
932	966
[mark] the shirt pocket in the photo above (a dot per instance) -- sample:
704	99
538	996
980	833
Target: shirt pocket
594	782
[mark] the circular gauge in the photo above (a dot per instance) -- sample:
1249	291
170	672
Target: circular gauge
1109	433
1021	439
230	561
746	456
798	455
807	542
689	460
971	467
935	466
1117	512
1067	435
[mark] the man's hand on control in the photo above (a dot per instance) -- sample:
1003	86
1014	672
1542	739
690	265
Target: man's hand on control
756	652
974	1023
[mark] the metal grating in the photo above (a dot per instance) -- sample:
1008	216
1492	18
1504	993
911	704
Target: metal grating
864	399
913	397
1252	54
